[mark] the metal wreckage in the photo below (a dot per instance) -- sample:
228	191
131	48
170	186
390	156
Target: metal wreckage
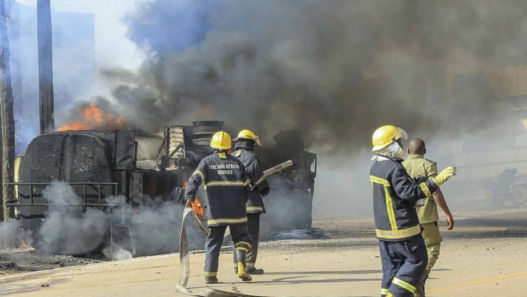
143	171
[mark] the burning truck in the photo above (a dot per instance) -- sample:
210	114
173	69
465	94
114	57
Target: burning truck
144	172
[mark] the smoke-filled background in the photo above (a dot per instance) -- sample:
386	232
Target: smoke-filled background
337	70
69	229
443	71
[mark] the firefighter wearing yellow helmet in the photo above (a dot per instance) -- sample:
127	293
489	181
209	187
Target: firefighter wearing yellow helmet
395	193
244	151
248	135
226	184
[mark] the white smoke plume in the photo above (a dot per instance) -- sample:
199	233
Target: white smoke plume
68	229
9	234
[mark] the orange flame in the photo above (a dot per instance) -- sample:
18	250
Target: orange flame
197	208
23	243
74	126
94	118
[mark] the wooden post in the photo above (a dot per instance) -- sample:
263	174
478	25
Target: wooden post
45	67
7	121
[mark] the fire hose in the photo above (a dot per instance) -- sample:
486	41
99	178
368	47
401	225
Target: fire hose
181	286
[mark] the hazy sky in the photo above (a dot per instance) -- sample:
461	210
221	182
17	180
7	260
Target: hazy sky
111	44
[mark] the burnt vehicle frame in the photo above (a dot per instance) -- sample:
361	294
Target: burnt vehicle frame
142	169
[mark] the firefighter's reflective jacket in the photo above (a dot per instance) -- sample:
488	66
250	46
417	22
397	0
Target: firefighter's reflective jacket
394	195
226	183
244	152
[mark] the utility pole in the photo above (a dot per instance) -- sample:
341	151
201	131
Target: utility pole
7	121
45	67
13	35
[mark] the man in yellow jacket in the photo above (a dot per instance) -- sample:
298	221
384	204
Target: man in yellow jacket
417	165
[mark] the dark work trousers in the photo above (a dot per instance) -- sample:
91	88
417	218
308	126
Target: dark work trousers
215	239
254	235
403	264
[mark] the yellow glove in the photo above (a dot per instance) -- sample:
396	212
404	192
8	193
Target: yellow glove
444	175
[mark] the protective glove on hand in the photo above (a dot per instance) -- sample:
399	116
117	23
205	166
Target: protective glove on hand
265	191
444	175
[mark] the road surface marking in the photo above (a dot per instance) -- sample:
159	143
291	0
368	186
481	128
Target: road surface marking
477	282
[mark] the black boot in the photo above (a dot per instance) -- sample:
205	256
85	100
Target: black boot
253	270
242	273
211	280
211	277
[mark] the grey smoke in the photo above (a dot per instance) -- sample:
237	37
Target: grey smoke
67	229
336	69
286	208
9	234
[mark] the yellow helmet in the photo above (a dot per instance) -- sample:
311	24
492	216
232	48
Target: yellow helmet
386	135
248	134
221	141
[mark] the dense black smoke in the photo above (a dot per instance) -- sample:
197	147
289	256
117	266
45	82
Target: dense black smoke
336	69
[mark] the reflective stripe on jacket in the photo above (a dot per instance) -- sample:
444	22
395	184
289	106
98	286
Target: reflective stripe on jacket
394	194
226	183
244	152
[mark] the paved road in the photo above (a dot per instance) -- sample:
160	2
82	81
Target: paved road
485	256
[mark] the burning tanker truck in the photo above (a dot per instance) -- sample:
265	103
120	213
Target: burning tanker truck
113	180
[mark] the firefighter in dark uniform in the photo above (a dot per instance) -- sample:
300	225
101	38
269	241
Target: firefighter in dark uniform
226	183
245	143
403	251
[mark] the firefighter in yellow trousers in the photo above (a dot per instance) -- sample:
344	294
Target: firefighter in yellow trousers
416	165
